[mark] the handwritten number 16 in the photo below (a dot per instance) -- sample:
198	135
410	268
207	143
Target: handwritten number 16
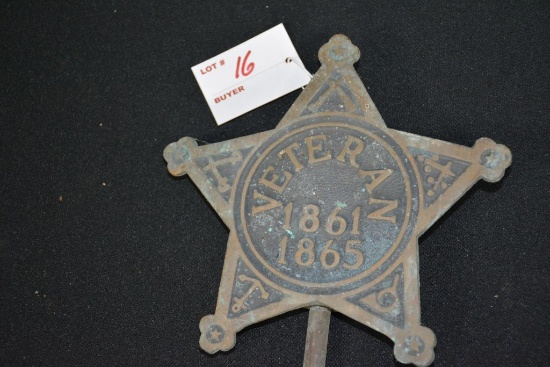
245	69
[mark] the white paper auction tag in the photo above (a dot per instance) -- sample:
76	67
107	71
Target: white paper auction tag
251	74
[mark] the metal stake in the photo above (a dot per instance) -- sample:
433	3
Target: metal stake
318	325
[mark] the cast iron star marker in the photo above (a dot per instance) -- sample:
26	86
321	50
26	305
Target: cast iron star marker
325	212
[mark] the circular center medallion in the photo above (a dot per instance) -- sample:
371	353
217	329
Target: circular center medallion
325	205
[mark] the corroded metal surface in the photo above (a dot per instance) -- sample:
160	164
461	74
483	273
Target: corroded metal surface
318	323
326	210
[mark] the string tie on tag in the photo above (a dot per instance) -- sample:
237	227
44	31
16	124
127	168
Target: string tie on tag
289	59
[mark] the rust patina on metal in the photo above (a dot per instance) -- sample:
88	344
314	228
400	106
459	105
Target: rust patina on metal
326	210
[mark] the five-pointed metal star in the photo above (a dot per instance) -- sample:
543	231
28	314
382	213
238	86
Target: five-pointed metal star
326	209
214	335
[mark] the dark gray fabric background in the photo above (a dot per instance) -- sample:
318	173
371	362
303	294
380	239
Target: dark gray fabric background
123	268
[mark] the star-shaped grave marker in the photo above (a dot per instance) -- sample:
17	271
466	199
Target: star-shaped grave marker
325	211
